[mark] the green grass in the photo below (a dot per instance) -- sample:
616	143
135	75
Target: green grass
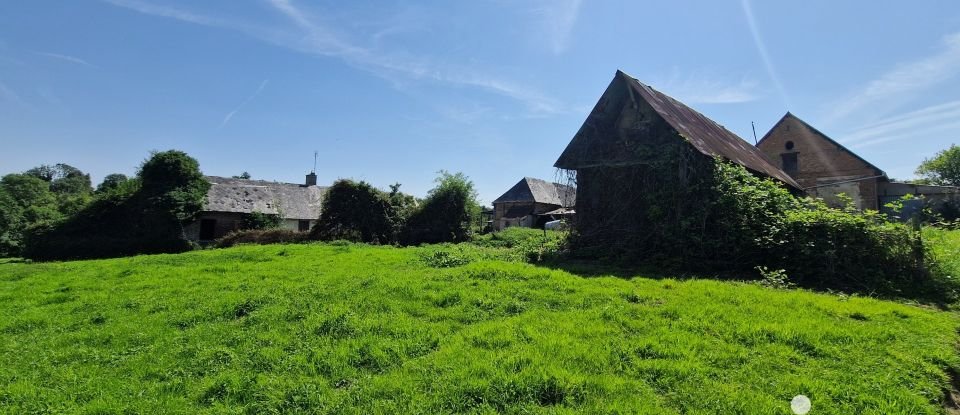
342	328
946	248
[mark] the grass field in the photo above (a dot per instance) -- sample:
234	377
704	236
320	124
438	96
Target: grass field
341	328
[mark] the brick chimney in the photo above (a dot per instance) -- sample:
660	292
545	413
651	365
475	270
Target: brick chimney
312	179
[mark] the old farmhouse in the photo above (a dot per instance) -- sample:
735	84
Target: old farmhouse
824	168
532	202
229	200
642	163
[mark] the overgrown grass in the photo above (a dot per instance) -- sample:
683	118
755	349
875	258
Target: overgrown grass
344	328
945	245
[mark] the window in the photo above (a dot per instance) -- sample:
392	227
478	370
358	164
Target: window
790	163
789	145
303	226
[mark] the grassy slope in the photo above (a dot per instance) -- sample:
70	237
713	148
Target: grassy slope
354	329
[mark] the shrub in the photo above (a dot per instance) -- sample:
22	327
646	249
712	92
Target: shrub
533	245
140	216
261	237
358	212
828	248
260	220
446	213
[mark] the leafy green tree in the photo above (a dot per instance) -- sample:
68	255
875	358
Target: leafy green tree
111	182
142	215
403	204
28	190
244	175
446	213
171	182
357	211
63	178
12	224
943	169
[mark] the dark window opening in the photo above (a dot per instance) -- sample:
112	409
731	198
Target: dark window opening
789	145
303	226
790	163
207	229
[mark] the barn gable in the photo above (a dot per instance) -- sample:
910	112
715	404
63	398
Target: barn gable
775	140
630	115
824	167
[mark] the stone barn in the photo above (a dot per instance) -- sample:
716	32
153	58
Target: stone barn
643	166
530	202
230	200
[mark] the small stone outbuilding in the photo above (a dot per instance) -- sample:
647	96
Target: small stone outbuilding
527	203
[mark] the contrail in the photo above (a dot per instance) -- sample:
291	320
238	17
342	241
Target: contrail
230	115
762	49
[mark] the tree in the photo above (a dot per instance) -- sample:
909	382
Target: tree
171	182
943	169
63	178
403	204
357	211
244	175
142	215
447	212
111	182
12	224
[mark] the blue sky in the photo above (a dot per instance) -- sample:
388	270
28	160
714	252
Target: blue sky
395	91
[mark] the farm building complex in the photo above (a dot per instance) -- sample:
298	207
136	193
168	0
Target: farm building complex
229	200
531	203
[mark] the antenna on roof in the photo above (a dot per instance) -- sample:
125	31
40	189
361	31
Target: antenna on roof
754	133
315	161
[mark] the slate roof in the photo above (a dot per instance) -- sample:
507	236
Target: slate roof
530	189
708	137
812	129
292	201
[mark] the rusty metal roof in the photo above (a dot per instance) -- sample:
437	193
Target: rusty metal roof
708	137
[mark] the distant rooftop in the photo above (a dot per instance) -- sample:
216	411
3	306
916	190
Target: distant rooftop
289	200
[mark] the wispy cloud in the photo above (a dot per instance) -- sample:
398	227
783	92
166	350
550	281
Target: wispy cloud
166	11
67	58
309	35
9	95
558	18
903	81
698	88
762	50
229	116
937	120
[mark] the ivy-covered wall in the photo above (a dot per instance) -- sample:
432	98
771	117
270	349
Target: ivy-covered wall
651	211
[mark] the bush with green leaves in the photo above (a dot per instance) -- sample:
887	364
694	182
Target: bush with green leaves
760	224
357	212
144	215
261	237
446	214
259	220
